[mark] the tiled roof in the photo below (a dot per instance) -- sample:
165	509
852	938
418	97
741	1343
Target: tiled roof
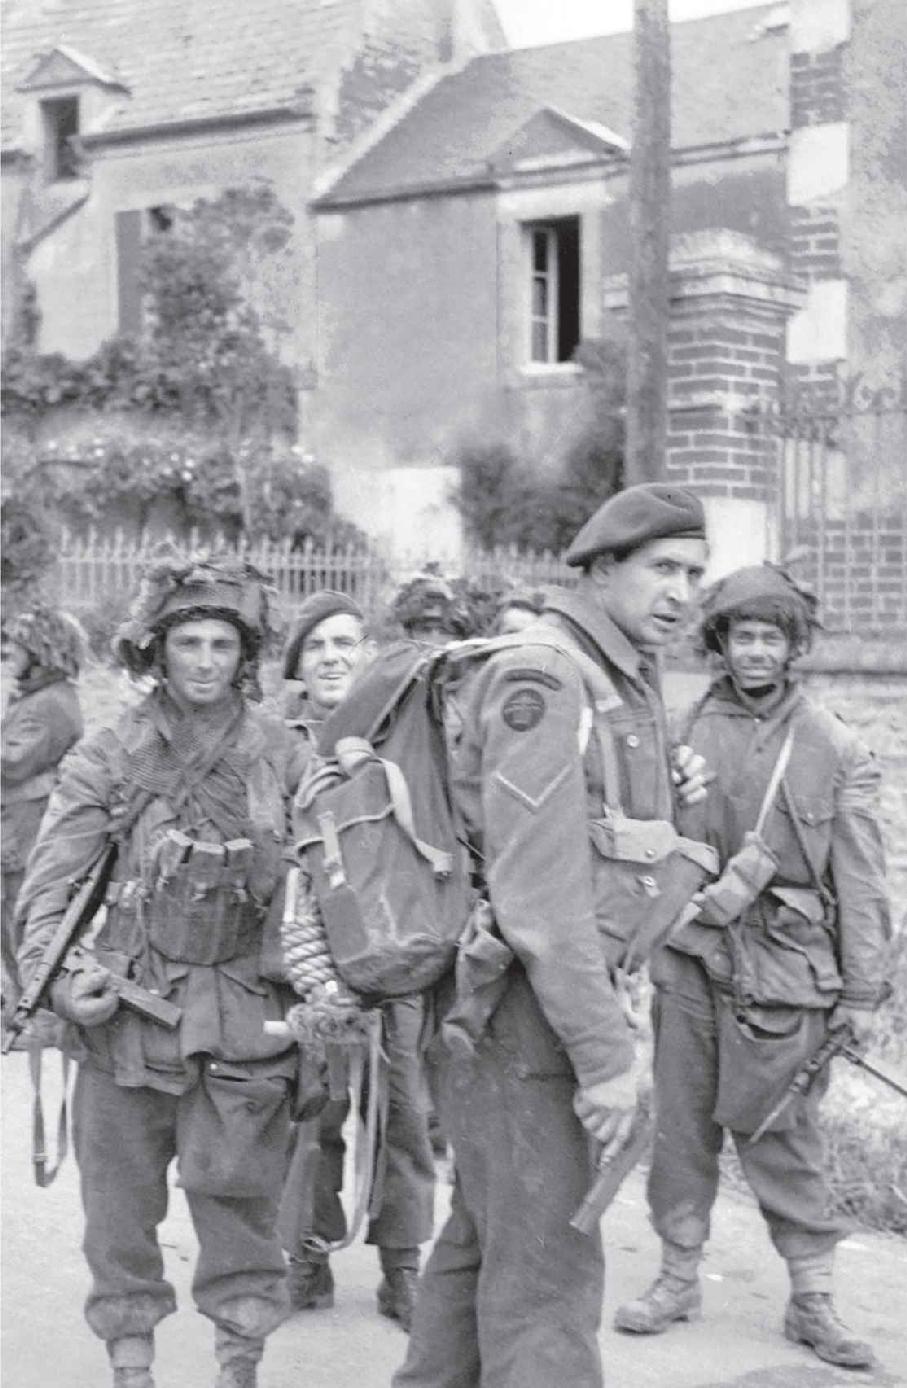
180	59
729	82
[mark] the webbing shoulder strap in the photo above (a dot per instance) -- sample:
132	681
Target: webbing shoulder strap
351	753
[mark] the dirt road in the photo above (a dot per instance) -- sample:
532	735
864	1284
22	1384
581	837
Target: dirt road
738	1344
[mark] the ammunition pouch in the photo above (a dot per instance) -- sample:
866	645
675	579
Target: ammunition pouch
199	910
645	875
784	951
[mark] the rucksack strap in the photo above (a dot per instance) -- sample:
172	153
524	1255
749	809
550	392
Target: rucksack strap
351	752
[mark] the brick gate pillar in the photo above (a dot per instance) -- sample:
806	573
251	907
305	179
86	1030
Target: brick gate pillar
730	301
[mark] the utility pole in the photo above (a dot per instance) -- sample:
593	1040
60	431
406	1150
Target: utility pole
650	219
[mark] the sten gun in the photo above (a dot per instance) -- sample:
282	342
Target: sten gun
613	1172
837	1042
65	952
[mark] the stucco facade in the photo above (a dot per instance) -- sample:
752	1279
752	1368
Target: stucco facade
176	102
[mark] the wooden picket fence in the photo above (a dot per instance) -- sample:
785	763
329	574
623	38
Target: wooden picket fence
95	569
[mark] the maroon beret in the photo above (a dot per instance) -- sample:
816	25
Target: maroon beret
316	608
650	511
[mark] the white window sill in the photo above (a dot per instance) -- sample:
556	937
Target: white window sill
550	368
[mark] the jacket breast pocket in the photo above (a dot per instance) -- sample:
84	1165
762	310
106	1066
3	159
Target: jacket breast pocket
639	758
814	815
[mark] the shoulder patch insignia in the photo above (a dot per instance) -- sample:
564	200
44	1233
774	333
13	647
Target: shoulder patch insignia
523	709
527	673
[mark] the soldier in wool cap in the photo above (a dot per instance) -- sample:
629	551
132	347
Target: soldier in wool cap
511	1295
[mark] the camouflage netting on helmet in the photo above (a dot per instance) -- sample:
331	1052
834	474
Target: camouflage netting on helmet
763	593
180	587
514	595
461	607
53	639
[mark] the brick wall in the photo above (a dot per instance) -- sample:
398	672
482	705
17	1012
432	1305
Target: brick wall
857	568
817	87
817	175
723	359
814	242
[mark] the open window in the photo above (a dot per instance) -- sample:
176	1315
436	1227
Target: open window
554	290
60	122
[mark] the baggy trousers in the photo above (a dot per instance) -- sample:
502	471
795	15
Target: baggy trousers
406	1215
124	1142
784	1168
511	1296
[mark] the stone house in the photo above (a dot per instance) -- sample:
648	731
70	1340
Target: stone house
464	256
117	110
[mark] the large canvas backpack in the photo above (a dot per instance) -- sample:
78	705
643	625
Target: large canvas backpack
377	833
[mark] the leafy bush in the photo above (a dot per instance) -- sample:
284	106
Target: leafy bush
505	500
26	552
200	409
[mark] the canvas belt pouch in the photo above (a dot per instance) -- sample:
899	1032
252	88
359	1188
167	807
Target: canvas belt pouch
233	1134
760	1050
645	874
199	910
482	974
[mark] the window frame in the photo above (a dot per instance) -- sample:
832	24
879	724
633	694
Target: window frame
551	229
56	149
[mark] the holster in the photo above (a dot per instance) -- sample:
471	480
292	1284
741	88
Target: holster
481	973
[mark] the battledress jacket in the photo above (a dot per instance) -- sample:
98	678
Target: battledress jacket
43	720
528	780
819	932
201	944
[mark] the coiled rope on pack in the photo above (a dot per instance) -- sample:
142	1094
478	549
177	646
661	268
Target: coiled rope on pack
330	1016
328	1011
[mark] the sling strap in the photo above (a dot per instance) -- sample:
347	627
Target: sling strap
45	1174
367	1063
775	781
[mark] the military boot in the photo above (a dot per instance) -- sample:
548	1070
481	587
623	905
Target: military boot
397	1290
131	1357
237	1357
675	1295
811	1320
310	1282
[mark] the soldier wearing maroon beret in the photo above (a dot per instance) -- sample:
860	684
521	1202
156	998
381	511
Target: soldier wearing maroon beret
512	1295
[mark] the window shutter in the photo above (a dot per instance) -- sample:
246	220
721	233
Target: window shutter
128	230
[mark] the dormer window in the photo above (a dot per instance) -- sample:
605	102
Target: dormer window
60	120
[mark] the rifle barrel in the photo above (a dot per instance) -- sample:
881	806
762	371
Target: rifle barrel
856	1059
